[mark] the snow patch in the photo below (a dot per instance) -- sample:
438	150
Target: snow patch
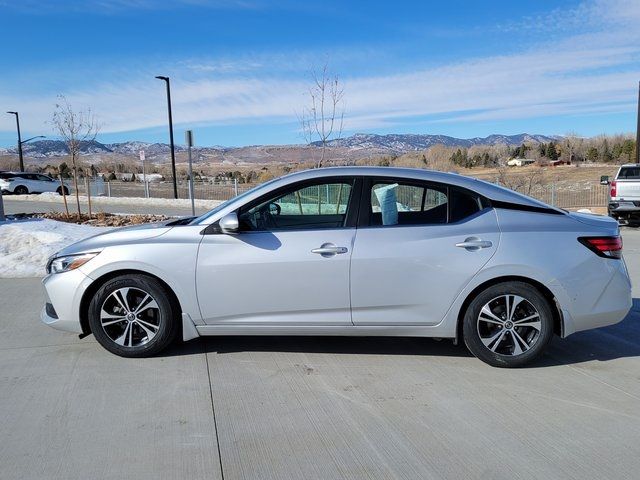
26	245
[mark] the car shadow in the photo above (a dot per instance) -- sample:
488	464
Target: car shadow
609	343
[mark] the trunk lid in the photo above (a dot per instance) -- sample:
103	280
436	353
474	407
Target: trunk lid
608	224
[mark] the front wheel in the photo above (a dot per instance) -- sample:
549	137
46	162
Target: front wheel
132	316
21	190
508	324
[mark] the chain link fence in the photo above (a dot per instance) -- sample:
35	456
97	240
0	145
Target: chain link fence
560	194
203	190
570	195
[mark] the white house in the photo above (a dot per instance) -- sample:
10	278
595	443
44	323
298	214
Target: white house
520	162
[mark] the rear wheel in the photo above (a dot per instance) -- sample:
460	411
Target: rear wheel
132	316
59	191
21	190
508	325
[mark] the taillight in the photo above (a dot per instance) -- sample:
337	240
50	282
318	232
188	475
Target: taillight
614	189
608	247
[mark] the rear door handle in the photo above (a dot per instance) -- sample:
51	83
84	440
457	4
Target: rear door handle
474	243
329	250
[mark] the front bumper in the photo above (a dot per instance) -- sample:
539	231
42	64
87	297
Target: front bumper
64	292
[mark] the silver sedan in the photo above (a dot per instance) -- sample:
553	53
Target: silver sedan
350	251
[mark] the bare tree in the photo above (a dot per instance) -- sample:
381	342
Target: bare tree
75	128
322	120
525	181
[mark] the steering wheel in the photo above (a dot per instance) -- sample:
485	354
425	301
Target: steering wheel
264	218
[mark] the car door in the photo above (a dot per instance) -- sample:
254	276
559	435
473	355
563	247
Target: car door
45	184
26	180
289	262
418	245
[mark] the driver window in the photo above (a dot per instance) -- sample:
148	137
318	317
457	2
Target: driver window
316	206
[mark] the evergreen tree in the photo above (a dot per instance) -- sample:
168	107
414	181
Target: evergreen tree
606	153
628	149
552	151
522	151
542	149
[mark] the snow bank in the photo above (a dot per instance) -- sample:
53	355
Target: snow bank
25	245
152	202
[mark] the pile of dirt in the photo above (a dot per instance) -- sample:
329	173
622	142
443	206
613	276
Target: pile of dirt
99	219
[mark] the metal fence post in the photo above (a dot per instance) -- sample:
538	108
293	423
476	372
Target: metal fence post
109	189
553	194
192	193
235	186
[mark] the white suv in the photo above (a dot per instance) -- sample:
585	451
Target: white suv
22	183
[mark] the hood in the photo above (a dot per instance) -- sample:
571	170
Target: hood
118	236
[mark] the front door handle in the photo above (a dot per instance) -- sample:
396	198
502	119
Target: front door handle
474	243
329	250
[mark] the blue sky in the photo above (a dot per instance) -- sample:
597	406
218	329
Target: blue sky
240	69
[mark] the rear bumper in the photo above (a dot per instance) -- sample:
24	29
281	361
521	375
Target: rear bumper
623	208
609	307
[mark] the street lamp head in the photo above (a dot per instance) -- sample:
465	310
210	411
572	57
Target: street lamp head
160	77
13	113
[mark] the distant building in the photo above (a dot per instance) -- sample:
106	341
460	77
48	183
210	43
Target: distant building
520	162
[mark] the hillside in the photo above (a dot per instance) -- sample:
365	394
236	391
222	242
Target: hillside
355	147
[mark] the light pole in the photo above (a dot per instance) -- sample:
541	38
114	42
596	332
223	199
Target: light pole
638	129
173	148
19	140
32	138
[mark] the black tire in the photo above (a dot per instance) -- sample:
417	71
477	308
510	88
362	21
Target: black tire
21	190
509	349
162	322
59	191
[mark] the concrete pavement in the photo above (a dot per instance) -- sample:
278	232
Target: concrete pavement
315	408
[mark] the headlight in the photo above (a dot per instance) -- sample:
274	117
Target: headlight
69	262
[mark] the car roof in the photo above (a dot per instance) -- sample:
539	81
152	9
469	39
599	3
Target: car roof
486	189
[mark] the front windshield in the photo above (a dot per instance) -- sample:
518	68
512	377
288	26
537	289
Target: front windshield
202	218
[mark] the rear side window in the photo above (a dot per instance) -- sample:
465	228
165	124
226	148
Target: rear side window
6	176
407	204
629	173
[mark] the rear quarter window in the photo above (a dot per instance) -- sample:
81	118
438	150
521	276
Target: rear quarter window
463	205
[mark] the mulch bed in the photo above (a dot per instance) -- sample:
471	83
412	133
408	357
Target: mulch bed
97	220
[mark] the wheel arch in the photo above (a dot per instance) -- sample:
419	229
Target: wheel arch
558	323
100	281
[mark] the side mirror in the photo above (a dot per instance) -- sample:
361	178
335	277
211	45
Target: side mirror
229	223
604	180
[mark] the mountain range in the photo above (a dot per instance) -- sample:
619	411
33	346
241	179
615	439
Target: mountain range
355	146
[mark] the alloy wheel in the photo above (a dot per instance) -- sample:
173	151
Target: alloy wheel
509	325
130	317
